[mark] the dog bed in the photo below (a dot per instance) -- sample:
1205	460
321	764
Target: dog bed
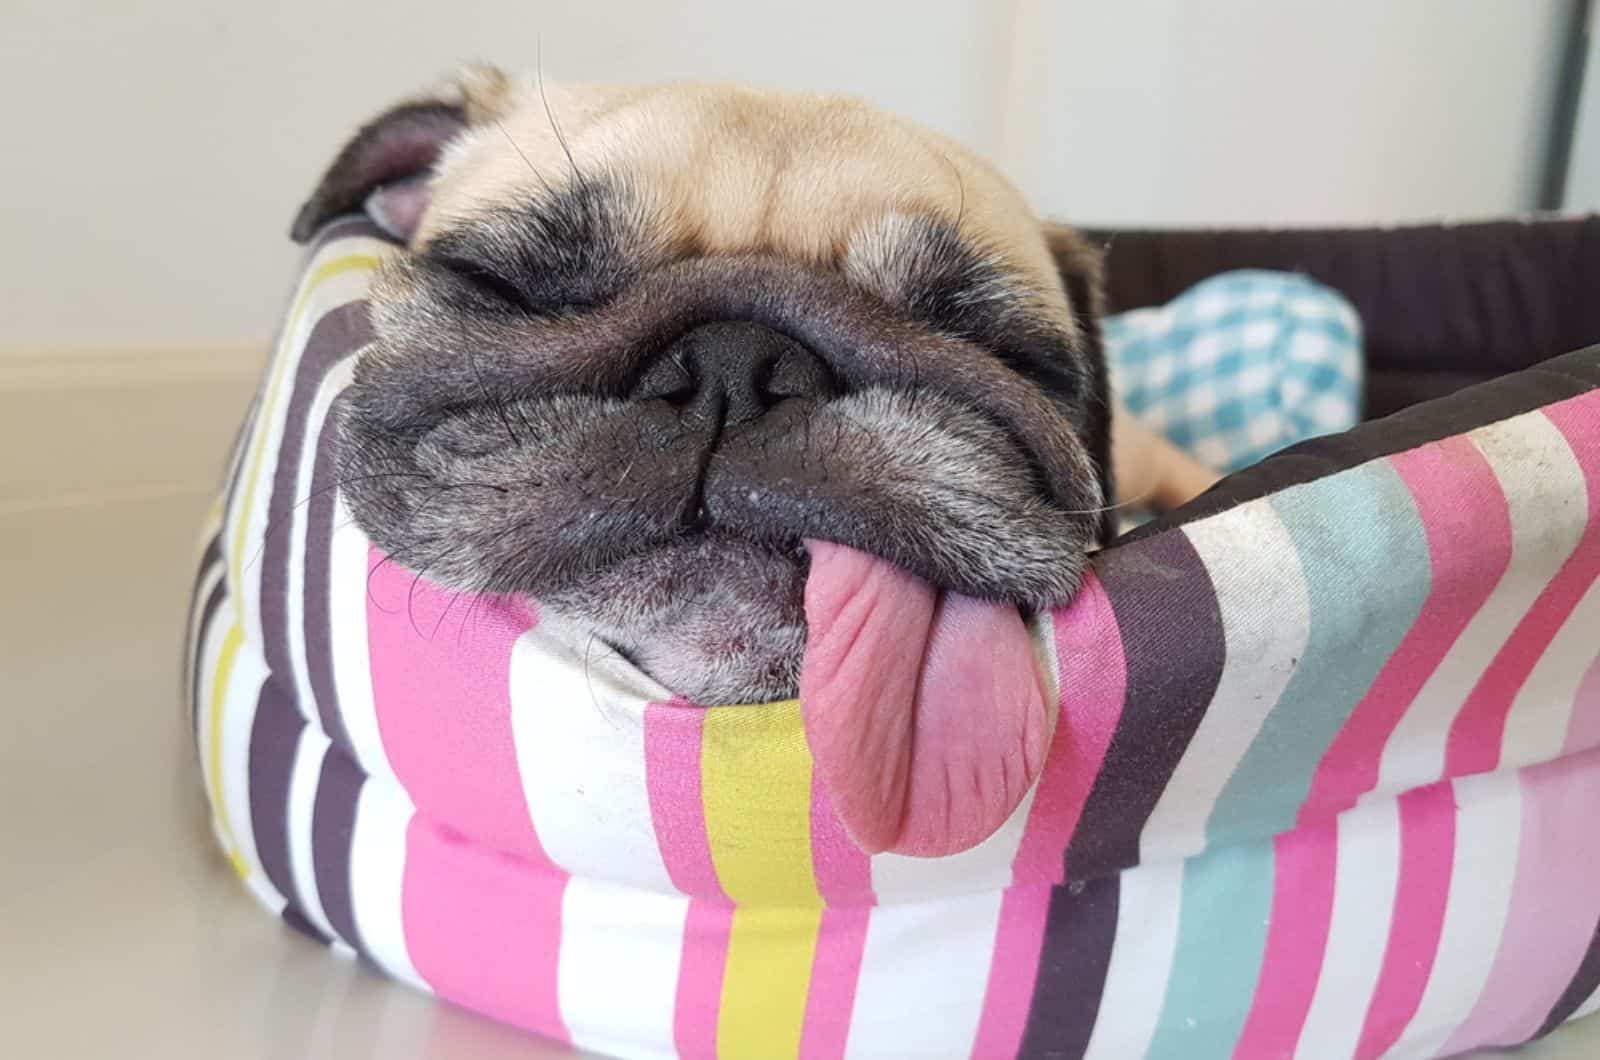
1322	780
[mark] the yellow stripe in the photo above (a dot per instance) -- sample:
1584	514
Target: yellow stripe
764	983
756	785
219	692
247	486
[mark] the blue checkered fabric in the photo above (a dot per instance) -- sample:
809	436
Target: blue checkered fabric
1240	366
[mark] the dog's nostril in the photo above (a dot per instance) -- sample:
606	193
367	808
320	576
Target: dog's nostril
669	378
734	371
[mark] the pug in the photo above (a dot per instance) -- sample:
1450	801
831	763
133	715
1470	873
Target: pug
772	394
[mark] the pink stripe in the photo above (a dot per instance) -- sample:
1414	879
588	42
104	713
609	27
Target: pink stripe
1583	728
1305	862
1554	903
672	733
1093	678
1427	847
705	956
844	879
484	929
1018	941
843	871
1479	729
841	938
672	744
1468	529
441	689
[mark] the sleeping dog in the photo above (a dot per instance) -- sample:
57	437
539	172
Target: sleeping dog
769	393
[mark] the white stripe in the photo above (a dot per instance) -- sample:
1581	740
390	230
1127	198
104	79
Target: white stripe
924	969
1539	475
986	867
328	295
1484	868
1252	559
205	581
377	876
347	620
1542	711
307	771
577	720
1365	879
618	988
203	651
1141	960
1042	633
1590	1006
211	639
337	379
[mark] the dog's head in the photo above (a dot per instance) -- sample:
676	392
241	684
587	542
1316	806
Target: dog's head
693	364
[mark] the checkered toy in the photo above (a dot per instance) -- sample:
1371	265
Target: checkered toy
1240	366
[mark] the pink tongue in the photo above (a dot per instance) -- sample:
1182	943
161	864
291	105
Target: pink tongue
924	712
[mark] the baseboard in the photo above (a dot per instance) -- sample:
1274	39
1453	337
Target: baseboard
24	368
77	426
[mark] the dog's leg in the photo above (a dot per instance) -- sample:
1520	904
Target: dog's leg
1151	470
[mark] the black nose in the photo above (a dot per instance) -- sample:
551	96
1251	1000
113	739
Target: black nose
733	372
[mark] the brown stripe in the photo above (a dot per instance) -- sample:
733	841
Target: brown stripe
348	228
1080	929
274	738
333	822
1172	640
1585	981
297	920
336	335
321	511
247	427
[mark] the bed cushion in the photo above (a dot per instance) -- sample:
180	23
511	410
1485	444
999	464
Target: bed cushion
1323	770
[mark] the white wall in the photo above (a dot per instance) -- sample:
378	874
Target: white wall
1287	111
156	151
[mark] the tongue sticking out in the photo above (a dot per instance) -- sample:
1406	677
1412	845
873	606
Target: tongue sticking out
923	710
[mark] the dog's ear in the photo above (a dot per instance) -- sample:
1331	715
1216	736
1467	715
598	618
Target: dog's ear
1081	266
386	166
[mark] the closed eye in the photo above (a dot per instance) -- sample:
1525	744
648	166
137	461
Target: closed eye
482	278
984	309
946	281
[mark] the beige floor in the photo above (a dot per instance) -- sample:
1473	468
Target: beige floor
120	934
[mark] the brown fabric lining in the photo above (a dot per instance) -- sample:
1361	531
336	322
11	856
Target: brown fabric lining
1441	305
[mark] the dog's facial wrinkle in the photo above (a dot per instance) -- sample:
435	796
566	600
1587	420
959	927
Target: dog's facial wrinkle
570	249
924	266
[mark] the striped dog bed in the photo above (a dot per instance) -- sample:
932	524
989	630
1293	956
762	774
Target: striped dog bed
1322	781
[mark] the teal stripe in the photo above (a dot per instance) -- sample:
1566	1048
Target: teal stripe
1222	931
1364	556
1364	559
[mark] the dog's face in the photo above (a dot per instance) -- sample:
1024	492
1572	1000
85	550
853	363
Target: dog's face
653	355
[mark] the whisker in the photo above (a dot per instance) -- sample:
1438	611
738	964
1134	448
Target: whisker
494	403
961	185
555	126
282	524
540	177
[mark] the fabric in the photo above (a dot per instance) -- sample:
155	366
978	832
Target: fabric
1442	305
1240	366
1321	782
